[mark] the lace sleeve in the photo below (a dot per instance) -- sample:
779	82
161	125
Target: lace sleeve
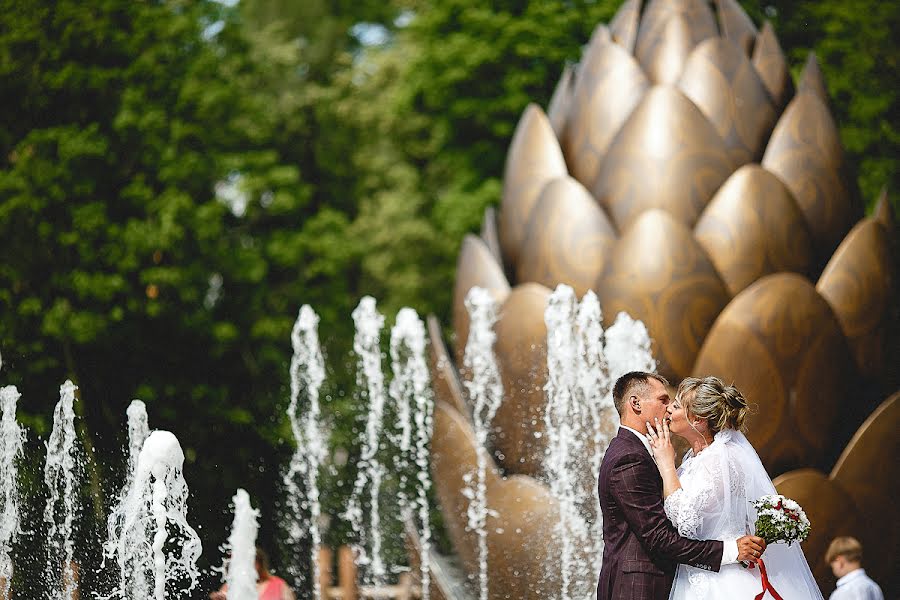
688	506
683	515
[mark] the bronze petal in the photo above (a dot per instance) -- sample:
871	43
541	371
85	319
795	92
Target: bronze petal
489	233
624	25
569	238
669	30
534	157
831	512
664	60
805	153
521	350
667	155
601	35
453	457
446	578
812	80
610	84
867	469
753	227
857	285
659	274
770	63
883	212
722	82
561	102
782	346
520	541
476	266
444	377
735	25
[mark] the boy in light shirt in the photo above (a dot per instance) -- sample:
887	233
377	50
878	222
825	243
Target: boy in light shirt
845	557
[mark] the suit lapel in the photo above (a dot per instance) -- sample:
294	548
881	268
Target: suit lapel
629	440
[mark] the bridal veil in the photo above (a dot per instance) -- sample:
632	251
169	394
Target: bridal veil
718	486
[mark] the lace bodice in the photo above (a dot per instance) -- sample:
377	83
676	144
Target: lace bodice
712	502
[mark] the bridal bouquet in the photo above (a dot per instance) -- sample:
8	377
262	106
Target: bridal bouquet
780	519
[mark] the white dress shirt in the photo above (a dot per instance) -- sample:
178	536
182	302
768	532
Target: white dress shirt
856	585
729	547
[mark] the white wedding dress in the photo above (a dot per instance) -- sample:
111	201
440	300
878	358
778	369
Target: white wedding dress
713	503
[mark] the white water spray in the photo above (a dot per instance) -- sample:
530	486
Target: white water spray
12	438
410	391
135	586
155	522
63	472
594	390
628	347
485	392
567	429
301	480
580	421
241	575
368	323
138	431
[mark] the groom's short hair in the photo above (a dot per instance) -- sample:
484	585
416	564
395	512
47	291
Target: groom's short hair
631	382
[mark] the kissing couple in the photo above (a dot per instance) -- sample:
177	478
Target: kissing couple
687	534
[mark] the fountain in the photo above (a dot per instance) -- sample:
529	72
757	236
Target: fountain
410	391
241	573
568	429
307	373
135	586
63	472
370	382
11	442
580	420
149	539
154	523
485	392
138	431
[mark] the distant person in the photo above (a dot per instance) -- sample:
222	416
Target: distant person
845	557
268	586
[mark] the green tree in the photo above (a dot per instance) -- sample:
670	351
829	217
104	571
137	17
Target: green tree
857	48
155	240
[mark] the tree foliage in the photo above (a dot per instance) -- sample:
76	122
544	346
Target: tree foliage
857	49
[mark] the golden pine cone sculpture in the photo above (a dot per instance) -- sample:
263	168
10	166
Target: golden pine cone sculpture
679	174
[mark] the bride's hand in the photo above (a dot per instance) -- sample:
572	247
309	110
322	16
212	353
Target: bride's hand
661	444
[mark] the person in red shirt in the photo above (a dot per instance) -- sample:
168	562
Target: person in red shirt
268	586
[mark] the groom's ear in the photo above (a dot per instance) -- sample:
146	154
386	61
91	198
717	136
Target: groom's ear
635	403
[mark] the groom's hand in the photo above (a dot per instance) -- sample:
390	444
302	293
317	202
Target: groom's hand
750	548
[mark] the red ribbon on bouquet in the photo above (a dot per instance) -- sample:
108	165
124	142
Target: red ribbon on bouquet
767	587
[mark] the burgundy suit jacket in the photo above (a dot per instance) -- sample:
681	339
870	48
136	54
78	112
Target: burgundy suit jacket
641	546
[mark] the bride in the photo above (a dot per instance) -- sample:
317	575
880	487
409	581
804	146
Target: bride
708	497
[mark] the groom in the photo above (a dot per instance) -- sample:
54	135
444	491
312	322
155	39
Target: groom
641	546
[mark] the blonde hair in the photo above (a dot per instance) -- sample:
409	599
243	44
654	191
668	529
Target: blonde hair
723	406
846	546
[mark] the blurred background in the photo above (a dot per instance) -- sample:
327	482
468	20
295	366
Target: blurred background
177	178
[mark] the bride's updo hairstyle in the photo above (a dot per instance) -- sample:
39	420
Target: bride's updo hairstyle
723	406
